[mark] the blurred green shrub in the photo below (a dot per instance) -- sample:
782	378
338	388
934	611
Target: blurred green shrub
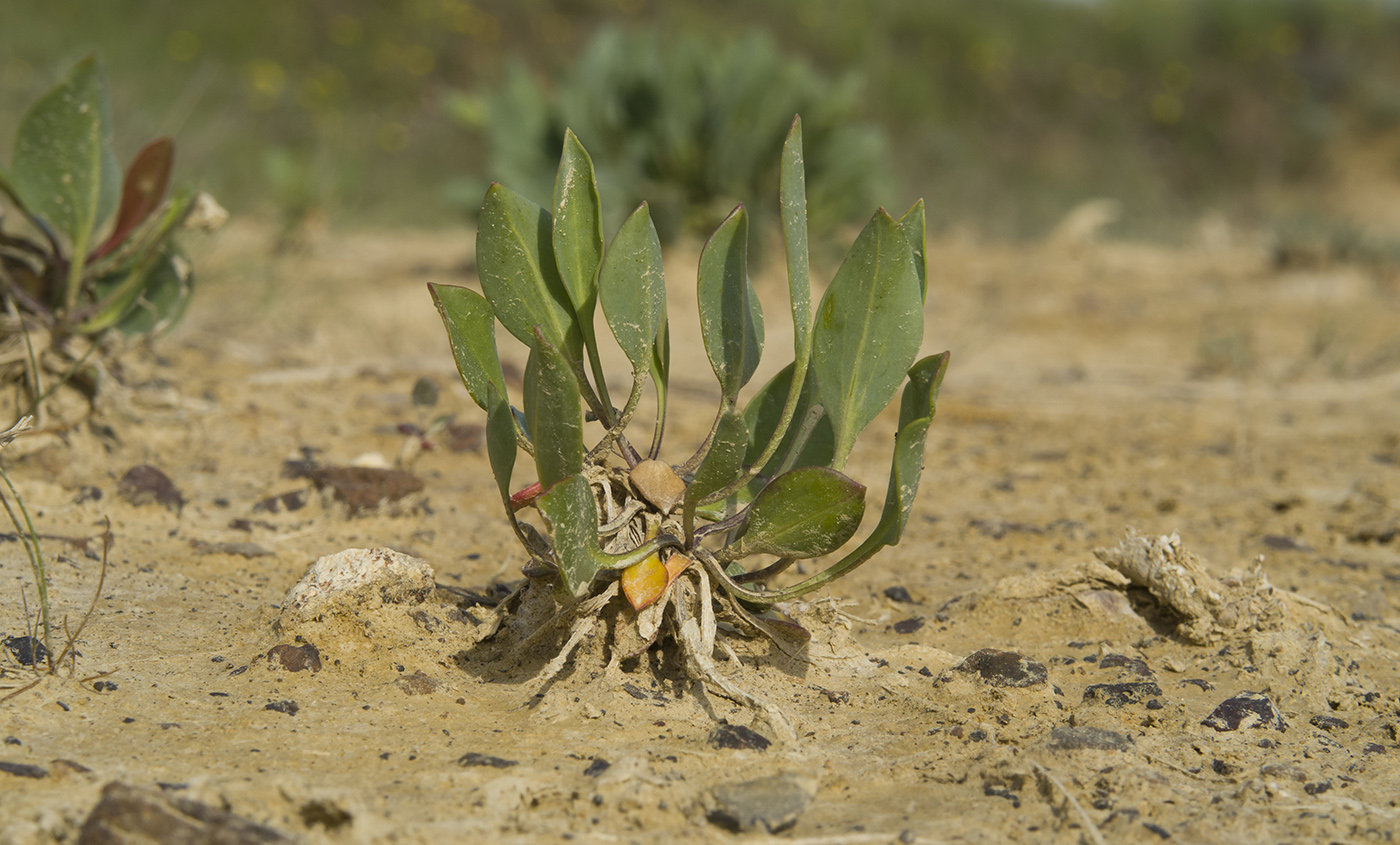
692	124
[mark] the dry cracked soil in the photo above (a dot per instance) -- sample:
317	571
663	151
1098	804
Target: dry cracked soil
1149	593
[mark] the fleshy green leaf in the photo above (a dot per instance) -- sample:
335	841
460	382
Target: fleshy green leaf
764	413
471	331
515	259
578	227
125	285
553	413
572	514
915	228
792	198
868	330
161	297
804	513
143	189
723	463
632	288
500	440
64	168
731	320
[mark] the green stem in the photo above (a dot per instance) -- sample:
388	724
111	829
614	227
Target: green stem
30	538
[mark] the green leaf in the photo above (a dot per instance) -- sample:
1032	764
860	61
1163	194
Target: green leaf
515	259
632	287
868	330
804	513
119	290
500	441
64	168
578	227
553	413
661	379
143	189
572	514
792	199
915	227
764	414
471	331
731	320
161	297
723	463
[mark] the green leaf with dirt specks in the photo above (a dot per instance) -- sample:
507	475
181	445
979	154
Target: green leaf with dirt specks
632	288
868	330
578	227
804	513
515	259
553	413
471	332
501	444
915	227
731	320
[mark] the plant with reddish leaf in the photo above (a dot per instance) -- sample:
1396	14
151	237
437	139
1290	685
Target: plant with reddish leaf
93	250
767	482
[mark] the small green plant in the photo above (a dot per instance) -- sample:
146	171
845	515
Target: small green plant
765	487
92	251
690	124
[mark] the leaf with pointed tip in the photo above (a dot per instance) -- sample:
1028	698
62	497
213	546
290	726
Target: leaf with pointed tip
471	332
792	198
805	513
915	229
731	320
632	288
868	330
553	413
501	444
121	292
64	168
515	258
578	227
143	189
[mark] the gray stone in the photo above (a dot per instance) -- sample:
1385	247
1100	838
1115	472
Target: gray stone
130	816
769	804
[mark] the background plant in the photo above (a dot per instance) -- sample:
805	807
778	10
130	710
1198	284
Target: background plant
767	481
84	250
689	123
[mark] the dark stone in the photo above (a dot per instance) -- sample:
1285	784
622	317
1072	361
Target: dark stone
1004	668
104	686
1118	695
1373	748
288	707
295	658
145	484
1329	723
1246	710
88	493
1071	738
768	804
1317	788
1157	829
738	736
1220	767
1133	665
293	501
12	740
473	758
898	594
635	691
365	488
417	684
1281	543
1205	685
129	816
597	767
325	813
23	770
908	626
29	651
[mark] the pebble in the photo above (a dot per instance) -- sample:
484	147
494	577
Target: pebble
1246	710
295	658
769	804
473	758
23	770
1071	738
129	816
1004	668
738	736
1329	723
145	484
1118	695
356	580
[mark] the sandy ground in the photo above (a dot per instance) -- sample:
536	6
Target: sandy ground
1249	408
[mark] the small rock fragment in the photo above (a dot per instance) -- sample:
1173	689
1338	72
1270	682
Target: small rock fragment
909	626
357	580
1133	665
23	770
291	501
129	816
417	684
1118	695
145	484
295	658
768	804
1003	668
325	813
473	758
288	707
1246	710
28	651
597	767
1072	738
738	736
365	488
1329	723
899	594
